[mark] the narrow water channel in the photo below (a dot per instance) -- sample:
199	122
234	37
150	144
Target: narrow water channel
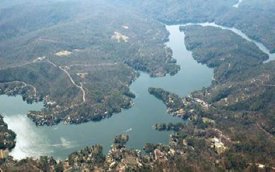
59	141
241	34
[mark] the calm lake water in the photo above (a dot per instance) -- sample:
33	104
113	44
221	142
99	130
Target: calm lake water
59	141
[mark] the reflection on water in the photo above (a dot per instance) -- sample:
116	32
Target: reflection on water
27	137
237	4
59	141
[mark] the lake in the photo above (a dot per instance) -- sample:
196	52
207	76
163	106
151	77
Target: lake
61	140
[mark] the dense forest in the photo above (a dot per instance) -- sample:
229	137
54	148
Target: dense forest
81	71
80	57
128	36
7	137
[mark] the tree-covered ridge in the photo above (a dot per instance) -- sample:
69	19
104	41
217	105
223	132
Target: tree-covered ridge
241	98
225	51
242	80
92	43
253	17
231	123
80	58
7	137
125	33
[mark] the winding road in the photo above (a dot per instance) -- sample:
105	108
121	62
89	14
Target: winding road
71	79
73	82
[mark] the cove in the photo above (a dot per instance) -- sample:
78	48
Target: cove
61	140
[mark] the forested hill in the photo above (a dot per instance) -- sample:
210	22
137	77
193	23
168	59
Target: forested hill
94	48
112	37
80	56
